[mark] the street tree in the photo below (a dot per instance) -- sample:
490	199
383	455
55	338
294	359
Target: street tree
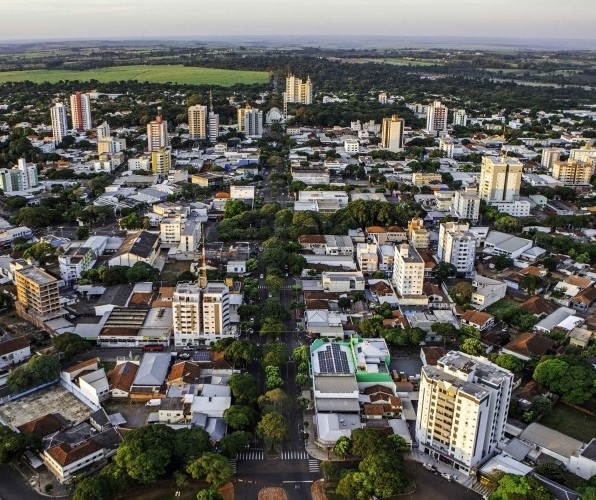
232	444
271	328
190	444
572	377
519	487
234	208
509	362
240	417
40	252
343	447
462	292
211	467
209	494
244	388
472	346
275	355
70	344
273	400
273	428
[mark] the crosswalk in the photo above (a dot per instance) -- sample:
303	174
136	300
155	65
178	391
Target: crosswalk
234	461
284	287
294	455
250	455
478	487
314	465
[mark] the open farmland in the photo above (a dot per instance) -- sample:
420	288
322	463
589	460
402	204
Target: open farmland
144	73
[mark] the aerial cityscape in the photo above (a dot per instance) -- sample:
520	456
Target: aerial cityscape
250	252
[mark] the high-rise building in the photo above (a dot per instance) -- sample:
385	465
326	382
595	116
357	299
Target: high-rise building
19	178
37	291
383	97
573	173
103	131
466	204
436	117
216	311
197	122
161	161
241	113
586	154
59	121
157	134
213	127
298	90
187	313
500	179
457	246
462	409
80	111
110	145
549	156
392	133
253	123
460	117
418	236
408	271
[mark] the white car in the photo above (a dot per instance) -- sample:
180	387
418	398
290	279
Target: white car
447	476
429	467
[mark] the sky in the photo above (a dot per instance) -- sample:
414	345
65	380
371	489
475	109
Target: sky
119	19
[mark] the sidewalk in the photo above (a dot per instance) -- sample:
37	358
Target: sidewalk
40	478
311	448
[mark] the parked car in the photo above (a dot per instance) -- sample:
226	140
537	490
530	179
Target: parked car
429	467
184	355
447	476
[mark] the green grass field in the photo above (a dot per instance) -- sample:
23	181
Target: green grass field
153	74
571	422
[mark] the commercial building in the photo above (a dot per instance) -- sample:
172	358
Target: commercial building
197	122
457	246
37	292
80	111
462	410
573	173
466	205
140	246
19	178
392	133
59	121
436	117
425	178
157	134
408	271
500	179
161	161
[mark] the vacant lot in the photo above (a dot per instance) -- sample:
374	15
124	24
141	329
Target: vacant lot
153	74
571	422
54	399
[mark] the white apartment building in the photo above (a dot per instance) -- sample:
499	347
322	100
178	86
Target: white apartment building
216	312
585	154
142	163
103	131
367	257
157	134
19	178
253	123
436	117
457	246
59	119
392	133
197	122
466	205
408	271
187	312
213	126
351	146
517	208
460	117
462	410
180	233
549	156
78	258
80	110
383	97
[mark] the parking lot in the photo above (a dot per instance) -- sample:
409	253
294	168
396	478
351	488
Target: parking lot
54	399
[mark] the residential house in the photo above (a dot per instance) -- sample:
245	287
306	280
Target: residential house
528	345
488	291
13	351
539	306
584	300
480	320
580	337
562	318
573	285
121	378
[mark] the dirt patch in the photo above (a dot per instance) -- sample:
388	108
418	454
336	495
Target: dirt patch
227	491
317	490
272	494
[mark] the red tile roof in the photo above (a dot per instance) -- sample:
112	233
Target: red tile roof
12	345
44	426
530	345
66	454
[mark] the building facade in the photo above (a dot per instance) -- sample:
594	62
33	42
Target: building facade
19	178
197	122
253	123
161	161
460	117
436	117
59	120
37	291
466	205
500	179
457	246
573	173
298	90
216	311
157	134
213	127
80	111
408	271
187	313
392	133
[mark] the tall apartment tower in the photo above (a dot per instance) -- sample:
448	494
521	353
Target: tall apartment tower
197	122
418	235
460	117
80	111
457	246
549	156
103	131
408	271
573	173
253	123
500	179
157	134
161	161
298	90
19	178
462	409
213	126
216	311
466	204
37	292
59	121
392	133
436	117
187	313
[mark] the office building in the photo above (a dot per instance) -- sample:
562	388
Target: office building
457	246
408	270
37	291
500	179
436	117
466	205
462	409
19	178
157	134
59	121
418	236
298	90
103	131
549	156
392	133
80	111
253	123
216	311
197	122
187	312
213	127
161	161
460	117
573	173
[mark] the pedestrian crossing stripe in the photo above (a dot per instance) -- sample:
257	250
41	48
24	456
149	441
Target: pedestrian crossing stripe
294	455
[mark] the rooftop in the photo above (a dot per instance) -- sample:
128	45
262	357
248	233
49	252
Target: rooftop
153	369
550	439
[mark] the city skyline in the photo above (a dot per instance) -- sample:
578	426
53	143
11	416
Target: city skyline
108	19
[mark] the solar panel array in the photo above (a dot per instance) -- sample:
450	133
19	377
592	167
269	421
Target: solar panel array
333	360
201	356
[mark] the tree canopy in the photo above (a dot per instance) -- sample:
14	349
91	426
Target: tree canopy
572	377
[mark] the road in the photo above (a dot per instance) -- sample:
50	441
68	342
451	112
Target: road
14	487
431	486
